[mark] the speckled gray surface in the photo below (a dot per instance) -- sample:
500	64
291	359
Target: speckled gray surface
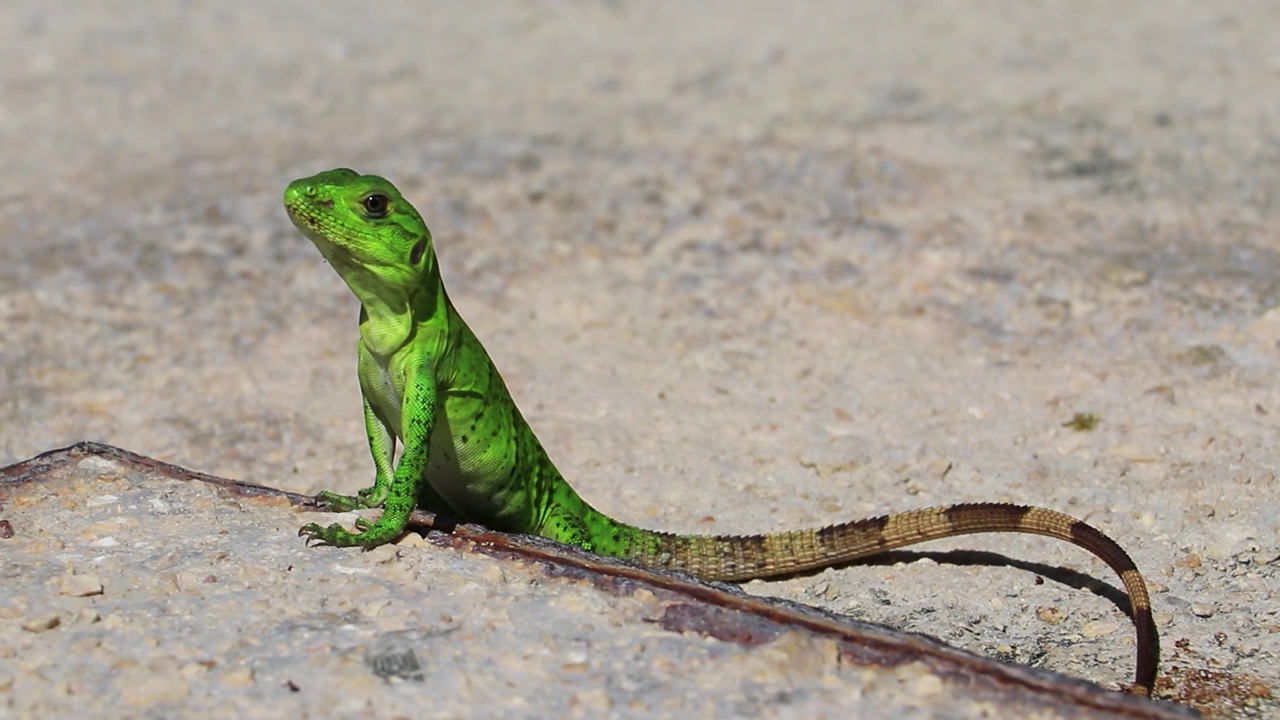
745	267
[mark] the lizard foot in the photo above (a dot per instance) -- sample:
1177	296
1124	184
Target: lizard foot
334	535
334	502
369	534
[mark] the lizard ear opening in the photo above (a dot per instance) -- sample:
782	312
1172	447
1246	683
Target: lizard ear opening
419	249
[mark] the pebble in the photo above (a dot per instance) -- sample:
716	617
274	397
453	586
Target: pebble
80	585
414	540
1203	610
241	677
1266	557
42	623
826	591
1049	614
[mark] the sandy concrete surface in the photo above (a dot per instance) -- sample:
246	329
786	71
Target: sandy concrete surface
745	266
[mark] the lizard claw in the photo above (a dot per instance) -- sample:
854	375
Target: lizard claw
332	535
333	502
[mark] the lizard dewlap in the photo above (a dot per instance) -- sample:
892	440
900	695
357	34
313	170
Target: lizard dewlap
429	385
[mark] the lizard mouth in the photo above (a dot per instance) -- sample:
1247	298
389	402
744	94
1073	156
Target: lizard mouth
305	219
307	207
311	220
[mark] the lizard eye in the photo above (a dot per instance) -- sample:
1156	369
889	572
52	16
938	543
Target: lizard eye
376	205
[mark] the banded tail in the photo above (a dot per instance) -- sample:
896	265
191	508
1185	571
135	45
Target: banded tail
746	557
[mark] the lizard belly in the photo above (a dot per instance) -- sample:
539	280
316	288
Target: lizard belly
468	471
383	397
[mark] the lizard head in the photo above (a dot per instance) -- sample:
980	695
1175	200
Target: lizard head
364	227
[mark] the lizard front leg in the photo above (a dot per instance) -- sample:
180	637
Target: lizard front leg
382	446
396	492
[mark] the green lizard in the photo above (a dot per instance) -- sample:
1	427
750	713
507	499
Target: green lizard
428	383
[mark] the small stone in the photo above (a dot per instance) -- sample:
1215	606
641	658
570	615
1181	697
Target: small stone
1190	560
80	585
374	608
927	686
826	591
42	623
1266	557
384	554
493	575
1246	648
240	677
102	501
939	468
1049	614
413	540
1203	610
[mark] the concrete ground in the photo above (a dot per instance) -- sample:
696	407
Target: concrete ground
745	266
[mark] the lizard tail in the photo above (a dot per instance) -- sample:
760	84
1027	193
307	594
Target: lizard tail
745	557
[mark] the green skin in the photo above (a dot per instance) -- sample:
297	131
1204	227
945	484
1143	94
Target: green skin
428	382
